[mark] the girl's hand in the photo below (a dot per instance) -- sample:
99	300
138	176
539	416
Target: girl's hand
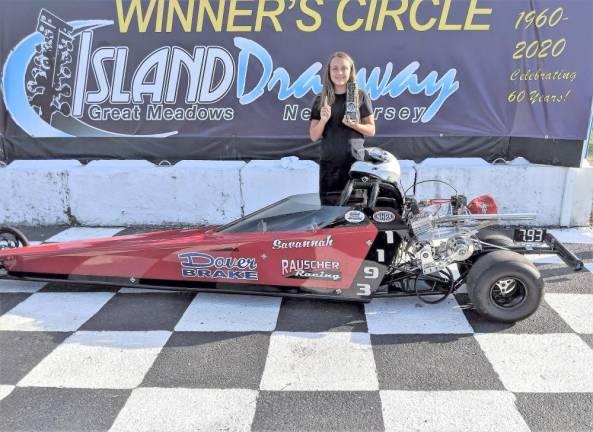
349	122
326	111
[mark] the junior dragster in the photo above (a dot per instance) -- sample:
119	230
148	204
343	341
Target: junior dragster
378	241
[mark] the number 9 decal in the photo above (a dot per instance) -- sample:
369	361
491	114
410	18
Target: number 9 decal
371	272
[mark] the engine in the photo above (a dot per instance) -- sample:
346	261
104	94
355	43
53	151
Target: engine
435	247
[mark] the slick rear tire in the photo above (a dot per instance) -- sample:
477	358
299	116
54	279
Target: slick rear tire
16	234
494	237
505	286
491	236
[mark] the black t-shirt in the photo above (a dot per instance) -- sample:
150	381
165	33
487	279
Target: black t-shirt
336	135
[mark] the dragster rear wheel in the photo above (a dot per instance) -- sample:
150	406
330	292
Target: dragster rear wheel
493	238
11	238
505	286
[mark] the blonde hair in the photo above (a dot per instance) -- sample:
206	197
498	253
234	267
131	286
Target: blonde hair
327	93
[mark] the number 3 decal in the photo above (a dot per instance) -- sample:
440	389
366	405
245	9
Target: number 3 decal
364	289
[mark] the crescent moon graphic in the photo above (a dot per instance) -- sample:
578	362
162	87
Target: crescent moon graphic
17	102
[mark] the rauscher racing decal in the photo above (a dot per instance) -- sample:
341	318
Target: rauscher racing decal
203	265
311	269
299	244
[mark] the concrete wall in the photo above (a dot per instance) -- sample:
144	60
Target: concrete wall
516	188
265	182
138	192
35	192
105	193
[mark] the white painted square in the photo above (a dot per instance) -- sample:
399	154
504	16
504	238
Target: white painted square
455	270
5	390
320	361
54	311
544	259
179	409
129	290
16	286
226	312
451	411
83	233
573	235
575	309
548	363
589	266
113	359
410	316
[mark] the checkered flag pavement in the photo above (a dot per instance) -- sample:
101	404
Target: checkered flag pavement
83	357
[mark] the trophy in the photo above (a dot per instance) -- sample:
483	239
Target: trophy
351	99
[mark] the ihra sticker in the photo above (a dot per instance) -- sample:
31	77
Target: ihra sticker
384	216
202	265
354	216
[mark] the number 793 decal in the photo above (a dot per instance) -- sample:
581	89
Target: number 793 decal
530	235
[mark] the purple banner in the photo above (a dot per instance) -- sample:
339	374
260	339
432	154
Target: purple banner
227	69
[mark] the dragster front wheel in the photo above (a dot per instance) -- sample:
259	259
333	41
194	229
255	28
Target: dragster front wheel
505	286
11	238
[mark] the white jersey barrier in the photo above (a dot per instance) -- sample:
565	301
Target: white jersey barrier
116	193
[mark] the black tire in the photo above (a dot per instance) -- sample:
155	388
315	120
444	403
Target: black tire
16	234
494	273
494	237
487	235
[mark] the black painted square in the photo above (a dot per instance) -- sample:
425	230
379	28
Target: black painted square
210	360
302	315
432	362
140	312
320	411
55	409
21	351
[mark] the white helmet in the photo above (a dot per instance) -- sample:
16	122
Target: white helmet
380	164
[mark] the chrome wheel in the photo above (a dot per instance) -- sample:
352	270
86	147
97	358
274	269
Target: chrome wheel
508	292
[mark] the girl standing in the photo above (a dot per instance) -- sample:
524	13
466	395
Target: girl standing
329	122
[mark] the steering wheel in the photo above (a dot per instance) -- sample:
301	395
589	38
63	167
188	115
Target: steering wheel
11	238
